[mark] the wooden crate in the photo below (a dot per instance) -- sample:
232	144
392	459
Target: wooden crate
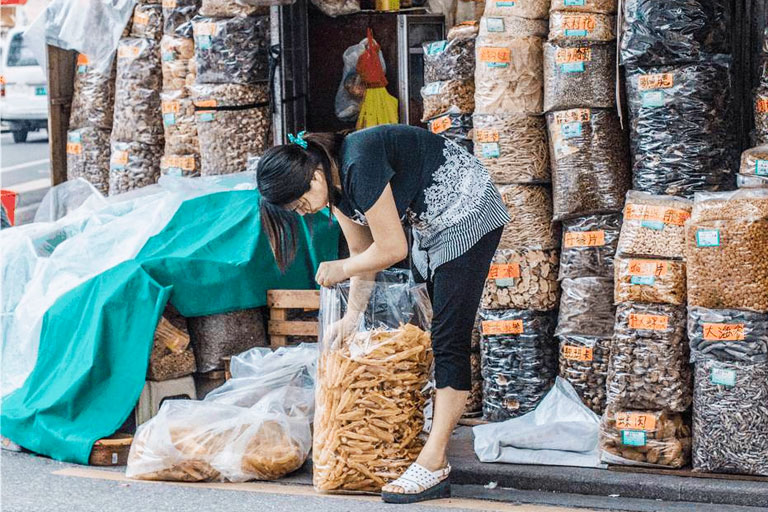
111	451
280	303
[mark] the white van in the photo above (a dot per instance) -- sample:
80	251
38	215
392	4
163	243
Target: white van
23	89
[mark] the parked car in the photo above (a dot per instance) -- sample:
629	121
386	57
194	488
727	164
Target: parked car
23	88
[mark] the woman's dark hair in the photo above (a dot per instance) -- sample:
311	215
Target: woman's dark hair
284	174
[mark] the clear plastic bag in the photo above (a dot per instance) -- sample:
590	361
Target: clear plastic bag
645	438
677	31
734	205
180	128
728	335
217	336
743	181
579	74
186	166
241	8
179	66
177	15
133	165
509	75
147	21
88	153
228	95
754	166
586	307
137	92
530	209
581	26
457	127
519	360
504	28
584	363
522	279
468	13
534	9
649	358
590	164
596	6
370	376
656	281
450	96
449	60
232	50
679	117
589	245
513	147
351	91
654	225
730	417
335	8
93	97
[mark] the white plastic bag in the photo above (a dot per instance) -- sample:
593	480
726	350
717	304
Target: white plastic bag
351	91
561	431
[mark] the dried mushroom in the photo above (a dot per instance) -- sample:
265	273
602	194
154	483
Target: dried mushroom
93	97
449	60
147	21
216	336
450	96
645	438
88	153
522	279
133	165
584	363
232	50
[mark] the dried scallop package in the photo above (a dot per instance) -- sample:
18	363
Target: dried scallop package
590	164
589	246
93	97
88	153
530	210
579	74
133	165
232	50
584	363
645	438
581	26
522	279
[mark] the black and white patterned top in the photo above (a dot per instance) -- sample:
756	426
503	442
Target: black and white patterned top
442	191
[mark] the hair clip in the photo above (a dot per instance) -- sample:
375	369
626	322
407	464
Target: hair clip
298	139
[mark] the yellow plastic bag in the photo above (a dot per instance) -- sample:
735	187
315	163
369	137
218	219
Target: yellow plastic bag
378	107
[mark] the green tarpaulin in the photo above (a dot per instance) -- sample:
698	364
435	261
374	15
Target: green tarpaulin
212	257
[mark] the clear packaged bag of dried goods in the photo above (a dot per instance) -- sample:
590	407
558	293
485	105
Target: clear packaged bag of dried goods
597	6
232	8
186	166
535	9
180	127
179	66
727	335
730	417
177	15
678	31
586	307
654	225
509	75
455	96
645	438
754	164
733	205
449	60
649	358
217	336
589	246
137	92
88	153
530	209
171	356
93	97
200	441
375	360
503	28
513	147
644	280
335	8
519	361
679	118
232	50
590	162
133	165
469	27
147	21
580	26
522	279
578	74
584	363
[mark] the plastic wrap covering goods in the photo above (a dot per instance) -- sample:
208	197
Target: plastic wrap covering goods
519	361
147	21
590	165
586	307
654	225
565	26
179	66
176	17
650	280
679	123
534	9
645	438
522	279
579	74
88	151
232	50
728	335
133	165
584	363
753	171
457	127
589	246
372	371
93	97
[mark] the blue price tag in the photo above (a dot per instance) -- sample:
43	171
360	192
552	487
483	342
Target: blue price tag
646	280
490	150
572	67
436	47
206	116
169	119
495	24
633	437
708	238
761	167
576	33
570	130
204	42
653	99
574	2
723	377
82	69
75	137
505	4
169	56
173	171
40	91
655	225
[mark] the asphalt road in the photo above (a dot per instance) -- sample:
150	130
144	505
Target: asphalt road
25	168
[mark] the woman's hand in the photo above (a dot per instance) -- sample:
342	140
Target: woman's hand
330	273
341	329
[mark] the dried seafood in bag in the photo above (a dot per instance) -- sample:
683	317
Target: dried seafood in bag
522	279
513	147
584	363
754	163
450	96
581	26
730	417
179	124
229	95
133	165
645	438
533	9
449	60
586	307
177	15
88	153
590	164
93	97
596	6
504	28
649	358
579	74
654	225
530	210
519	360
728	335
147	21
589	246
232	50
186	166
179	67
230	8
656	281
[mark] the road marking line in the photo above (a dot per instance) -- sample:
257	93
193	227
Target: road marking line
24	166
30	186
306	490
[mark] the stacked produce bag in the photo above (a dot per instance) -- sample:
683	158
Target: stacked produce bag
727	254
590	177
753	171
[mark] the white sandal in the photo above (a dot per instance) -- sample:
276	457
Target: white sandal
420	484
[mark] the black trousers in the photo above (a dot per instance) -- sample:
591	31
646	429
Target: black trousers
455	290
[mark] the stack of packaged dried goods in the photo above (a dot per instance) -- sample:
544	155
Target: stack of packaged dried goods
649	378
182	150
727	253
137	131
677	63
753	172
231	90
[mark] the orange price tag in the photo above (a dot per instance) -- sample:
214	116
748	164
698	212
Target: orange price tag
656	81
635	421
141	18
205	103
723	332
83	60
120	157
575	353
656	213
186	163
74	148
487	135
440	124
205	29
504	271
579	22
502	327
128	52
566	55
584	239
574	115
169	4
171	107
762	105
656	268
494	54
648	322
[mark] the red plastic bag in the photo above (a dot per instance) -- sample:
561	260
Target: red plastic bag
368	65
